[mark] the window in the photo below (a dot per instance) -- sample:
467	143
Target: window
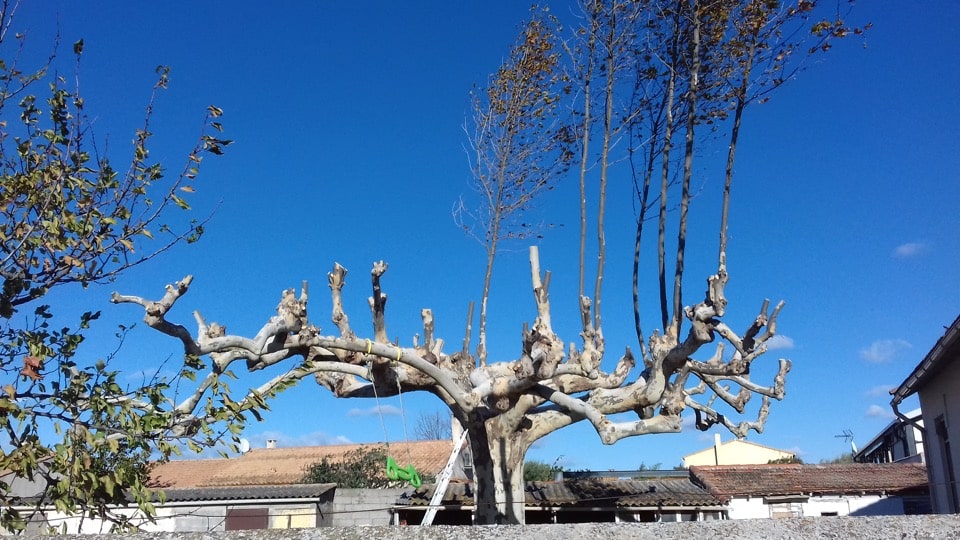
786	509
239	519
293	518
947	464
686	516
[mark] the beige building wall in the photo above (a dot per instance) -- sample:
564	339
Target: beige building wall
735	452
940	403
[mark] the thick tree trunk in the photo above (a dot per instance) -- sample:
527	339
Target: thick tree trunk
498	476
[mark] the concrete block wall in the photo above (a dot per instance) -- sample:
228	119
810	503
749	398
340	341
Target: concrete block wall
352	507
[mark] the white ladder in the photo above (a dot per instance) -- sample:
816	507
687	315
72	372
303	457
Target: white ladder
443	481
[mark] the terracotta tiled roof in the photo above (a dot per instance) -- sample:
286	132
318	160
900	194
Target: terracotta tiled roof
594	492
282	466
725	481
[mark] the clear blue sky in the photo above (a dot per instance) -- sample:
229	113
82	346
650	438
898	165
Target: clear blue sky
349	147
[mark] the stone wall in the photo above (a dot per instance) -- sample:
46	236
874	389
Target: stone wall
931	527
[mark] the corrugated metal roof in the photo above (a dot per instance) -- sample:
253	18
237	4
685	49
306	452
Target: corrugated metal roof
621	493
296	491
593	492
457	494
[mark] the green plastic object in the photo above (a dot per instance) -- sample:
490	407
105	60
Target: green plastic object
407	474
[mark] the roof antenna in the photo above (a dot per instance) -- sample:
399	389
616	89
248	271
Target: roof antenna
847	436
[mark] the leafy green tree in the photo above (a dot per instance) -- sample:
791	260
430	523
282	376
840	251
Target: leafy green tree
846	457
360	468
534	470
70	216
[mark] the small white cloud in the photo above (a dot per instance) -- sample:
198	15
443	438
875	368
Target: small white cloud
386	410
910	249
884	350
881	390
876	411
780	341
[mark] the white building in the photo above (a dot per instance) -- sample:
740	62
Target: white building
204	510
936	380
795	490
900	442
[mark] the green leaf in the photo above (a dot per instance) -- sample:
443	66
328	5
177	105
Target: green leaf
109	485
180	202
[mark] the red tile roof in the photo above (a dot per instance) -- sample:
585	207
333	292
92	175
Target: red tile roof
283	466
726	481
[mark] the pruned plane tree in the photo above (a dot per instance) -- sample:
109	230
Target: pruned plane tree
504	406
635	82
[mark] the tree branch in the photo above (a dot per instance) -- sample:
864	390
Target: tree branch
156	311
337	279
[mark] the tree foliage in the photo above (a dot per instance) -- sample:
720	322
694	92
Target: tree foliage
360	468
540	471
786	461
846	457
519	145
70	216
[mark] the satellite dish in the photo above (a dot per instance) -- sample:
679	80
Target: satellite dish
244	446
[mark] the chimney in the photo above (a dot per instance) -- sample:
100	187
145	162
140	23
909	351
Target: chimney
716	448
271	443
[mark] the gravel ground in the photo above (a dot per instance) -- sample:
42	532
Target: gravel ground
932	527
